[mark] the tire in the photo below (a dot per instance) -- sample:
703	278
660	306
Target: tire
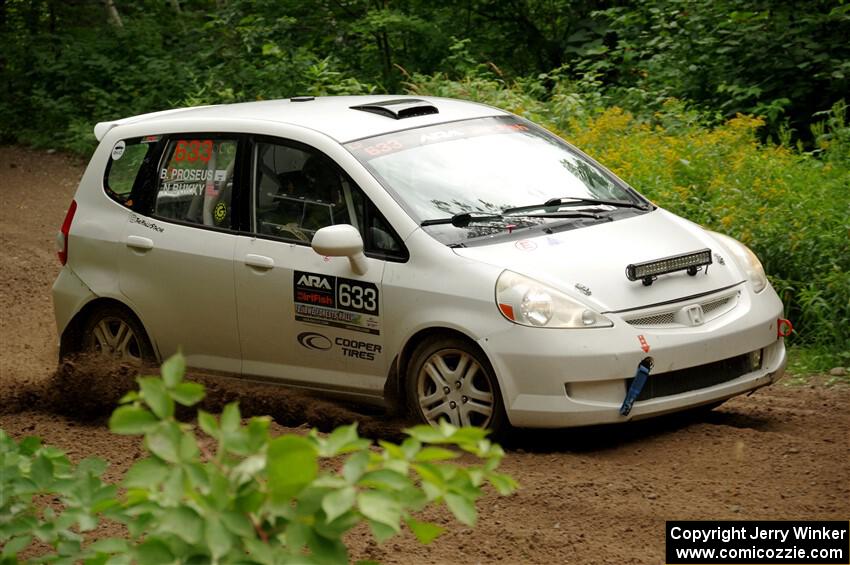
112	331
451	379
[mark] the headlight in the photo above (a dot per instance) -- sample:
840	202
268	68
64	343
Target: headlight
747	260
527	302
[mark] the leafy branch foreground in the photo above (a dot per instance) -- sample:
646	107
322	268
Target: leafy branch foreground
236	496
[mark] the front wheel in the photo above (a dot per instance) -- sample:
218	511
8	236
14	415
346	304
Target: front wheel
450	379
113	332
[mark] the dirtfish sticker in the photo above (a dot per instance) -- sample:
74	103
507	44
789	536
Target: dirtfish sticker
336	301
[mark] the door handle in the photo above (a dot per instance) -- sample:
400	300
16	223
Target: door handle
140	243
259	261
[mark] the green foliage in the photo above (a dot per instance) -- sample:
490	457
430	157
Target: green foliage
75	497
791	207
736	56
234	494
807	361
71	65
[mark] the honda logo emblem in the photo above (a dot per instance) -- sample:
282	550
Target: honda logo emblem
695	315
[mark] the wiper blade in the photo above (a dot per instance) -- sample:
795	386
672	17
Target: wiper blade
574	201
569	201
593	215
462	220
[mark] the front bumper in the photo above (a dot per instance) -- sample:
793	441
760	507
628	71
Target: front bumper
565	377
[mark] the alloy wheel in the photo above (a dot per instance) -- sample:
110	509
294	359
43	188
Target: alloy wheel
452	385
114	337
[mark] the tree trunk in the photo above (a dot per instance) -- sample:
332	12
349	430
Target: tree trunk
112	14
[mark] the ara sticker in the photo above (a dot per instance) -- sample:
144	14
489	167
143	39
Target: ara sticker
118	150
643	343
150	139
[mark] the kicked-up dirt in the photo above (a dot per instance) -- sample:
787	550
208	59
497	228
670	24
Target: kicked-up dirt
597	495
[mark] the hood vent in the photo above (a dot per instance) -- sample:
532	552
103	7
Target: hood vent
399	109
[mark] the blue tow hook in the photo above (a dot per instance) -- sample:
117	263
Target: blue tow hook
643	369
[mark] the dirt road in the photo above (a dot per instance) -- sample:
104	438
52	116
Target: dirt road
587	496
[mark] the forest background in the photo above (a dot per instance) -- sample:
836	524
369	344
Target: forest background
732	113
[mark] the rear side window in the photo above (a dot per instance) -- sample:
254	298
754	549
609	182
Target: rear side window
195	182
125	161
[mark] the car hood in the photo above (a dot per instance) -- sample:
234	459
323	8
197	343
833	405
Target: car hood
594	259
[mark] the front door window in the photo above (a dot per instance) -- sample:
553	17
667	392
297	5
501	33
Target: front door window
299	191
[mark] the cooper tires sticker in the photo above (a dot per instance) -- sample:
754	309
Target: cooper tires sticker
346	347
312	340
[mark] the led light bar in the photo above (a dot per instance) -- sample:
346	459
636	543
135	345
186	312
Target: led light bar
648	271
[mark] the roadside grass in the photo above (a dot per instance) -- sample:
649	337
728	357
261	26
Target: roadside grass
809	364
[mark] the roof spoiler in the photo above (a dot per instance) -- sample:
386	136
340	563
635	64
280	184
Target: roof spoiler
102	128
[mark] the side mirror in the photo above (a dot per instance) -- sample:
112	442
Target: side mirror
342	240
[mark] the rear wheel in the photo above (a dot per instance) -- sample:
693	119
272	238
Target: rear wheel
113	332
450	379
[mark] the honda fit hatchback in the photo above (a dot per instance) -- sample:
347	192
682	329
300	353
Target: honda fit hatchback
440	255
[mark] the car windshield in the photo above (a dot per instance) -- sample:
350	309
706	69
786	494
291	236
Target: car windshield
507	171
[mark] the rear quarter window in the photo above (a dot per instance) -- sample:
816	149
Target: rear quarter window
125	162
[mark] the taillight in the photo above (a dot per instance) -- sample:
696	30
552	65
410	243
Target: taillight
62	236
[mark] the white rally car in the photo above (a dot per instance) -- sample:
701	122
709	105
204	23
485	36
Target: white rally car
441	255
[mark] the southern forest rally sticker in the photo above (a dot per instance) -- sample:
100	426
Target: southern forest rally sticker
336	301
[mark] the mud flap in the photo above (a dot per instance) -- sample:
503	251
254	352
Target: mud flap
643	369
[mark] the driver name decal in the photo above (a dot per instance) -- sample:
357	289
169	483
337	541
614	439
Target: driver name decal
336	301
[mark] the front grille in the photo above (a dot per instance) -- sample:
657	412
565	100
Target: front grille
662	319
711	310
694	378
708	307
